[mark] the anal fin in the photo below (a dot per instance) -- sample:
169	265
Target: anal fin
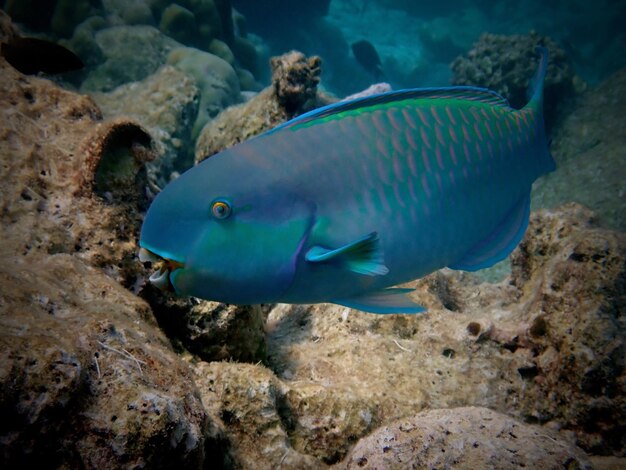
501	242
385	301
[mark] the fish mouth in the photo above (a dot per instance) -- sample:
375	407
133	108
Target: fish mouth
160	278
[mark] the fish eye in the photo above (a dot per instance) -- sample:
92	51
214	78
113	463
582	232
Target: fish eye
221	209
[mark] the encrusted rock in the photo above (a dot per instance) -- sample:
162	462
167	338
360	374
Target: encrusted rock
211	330
295	79
250	401
166	104
463	438
293	91
215	78
131	54
56	151
86	377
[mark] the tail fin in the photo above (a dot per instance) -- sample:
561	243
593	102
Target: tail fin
535	87
535	103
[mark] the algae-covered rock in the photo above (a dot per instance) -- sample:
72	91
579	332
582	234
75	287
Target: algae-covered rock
590	152
211	330
293	91
249	399
86	377
295	79
57	144
166	104
131	54
506	64
215	78
221	49
179	23
463	438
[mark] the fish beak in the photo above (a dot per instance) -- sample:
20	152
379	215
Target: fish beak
164	267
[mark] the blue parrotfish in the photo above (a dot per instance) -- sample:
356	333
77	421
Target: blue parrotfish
344	202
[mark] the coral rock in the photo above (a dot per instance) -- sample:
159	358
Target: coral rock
86	378
211	330
166	104
463	438
295	79
215	78
293	91
249	400
131	54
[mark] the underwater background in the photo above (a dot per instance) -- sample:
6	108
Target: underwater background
100	369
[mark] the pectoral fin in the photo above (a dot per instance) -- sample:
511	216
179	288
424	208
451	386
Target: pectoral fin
362	256
383	301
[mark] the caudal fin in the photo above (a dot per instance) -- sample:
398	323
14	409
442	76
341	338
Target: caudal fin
535	106
535	87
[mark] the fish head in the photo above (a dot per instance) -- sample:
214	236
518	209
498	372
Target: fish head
221	240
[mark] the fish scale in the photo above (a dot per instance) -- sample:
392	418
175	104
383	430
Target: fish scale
346	201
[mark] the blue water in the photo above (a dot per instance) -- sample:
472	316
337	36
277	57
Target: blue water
417	40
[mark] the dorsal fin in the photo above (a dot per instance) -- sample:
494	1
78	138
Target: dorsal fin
469	93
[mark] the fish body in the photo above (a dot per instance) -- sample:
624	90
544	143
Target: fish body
341	203
366	55
32	55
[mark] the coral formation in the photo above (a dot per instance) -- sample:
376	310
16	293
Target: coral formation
506	64
293	91
166	104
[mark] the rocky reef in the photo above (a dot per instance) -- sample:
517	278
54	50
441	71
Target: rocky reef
98	369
